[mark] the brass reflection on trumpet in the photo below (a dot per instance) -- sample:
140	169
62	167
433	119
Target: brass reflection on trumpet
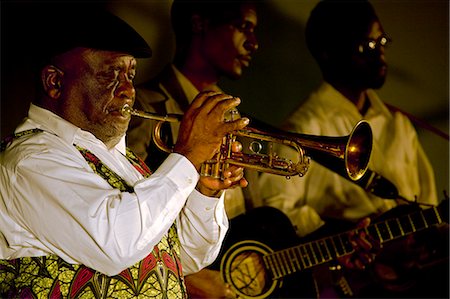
128	111
347	155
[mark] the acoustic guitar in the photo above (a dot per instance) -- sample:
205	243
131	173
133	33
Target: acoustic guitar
254	270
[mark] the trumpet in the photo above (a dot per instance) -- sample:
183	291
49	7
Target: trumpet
346	155
128	111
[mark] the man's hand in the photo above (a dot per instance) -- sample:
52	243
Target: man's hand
233	177
366	248
203	126
201	135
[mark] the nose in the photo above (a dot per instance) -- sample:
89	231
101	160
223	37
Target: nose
380	53
125	88
251	44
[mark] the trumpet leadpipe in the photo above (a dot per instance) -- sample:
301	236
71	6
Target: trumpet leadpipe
127	111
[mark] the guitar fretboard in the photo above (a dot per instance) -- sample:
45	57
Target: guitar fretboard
291	260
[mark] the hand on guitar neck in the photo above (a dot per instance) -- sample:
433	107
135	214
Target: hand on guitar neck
414	264
365	248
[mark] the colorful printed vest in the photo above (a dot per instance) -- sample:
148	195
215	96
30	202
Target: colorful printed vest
159	275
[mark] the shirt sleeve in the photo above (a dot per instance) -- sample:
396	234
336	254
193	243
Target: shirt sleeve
428	193
288	195
68	210
202	226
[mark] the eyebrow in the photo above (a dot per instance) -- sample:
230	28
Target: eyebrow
115	63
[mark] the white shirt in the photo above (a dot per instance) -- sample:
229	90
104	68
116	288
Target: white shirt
53	203
396	154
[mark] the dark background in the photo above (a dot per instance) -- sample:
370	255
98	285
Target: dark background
282	72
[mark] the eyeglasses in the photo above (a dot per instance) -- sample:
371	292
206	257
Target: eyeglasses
370	45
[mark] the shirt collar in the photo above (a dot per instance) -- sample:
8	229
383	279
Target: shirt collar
335	99
50	122
53	123
188	88
376	105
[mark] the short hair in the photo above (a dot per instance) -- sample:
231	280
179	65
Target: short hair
217	11
337	22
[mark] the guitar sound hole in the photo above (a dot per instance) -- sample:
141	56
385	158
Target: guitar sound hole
248	274
244	269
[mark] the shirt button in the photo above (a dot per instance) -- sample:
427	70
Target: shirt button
189	180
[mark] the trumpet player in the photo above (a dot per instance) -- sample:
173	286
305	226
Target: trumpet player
82	216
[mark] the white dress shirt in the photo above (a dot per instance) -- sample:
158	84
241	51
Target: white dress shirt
53	203
397	155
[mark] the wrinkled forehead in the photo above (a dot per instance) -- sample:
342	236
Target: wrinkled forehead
94	58
108	57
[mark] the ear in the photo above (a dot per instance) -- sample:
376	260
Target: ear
52	78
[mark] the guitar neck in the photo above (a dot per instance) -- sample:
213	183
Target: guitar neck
314	253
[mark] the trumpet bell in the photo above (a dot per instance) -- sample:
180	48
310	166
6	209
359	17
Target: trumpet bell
358	150
346	155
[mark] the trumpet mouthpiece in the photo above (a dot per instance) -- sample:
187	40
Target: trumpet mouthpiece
126	110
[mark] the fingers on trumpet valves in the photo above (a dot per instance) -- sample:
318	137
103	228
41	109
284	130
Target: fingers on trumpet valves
231	115
236	146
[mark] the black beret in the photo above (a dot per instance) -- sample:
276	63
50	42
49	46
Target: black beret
67	27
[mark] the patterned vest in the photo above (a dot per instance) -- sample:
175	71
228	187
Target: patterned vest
159	275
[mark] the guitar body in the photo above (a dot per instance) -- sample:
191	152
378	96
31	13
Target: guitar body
250	237
243	268
261	256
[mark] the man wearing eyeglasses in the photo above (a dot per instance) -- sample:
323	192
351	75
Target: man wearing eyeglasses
348	41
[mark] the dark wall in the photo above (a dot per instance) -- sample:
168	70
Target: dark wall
282	72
